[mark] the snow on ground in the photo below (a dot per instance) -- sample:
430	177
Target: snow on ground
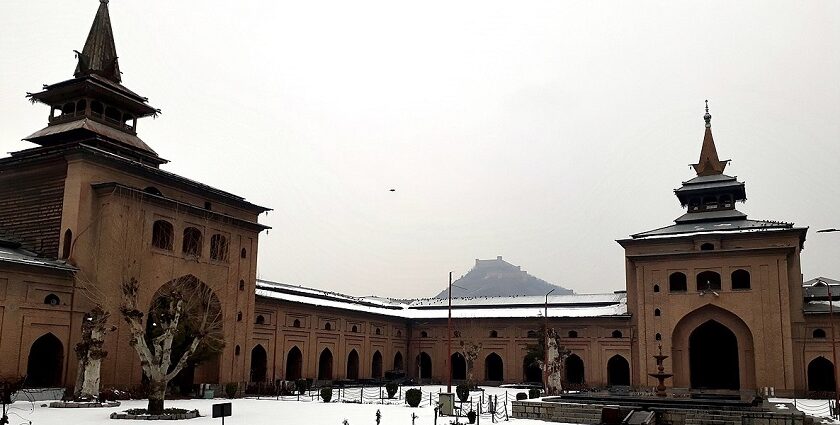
269	411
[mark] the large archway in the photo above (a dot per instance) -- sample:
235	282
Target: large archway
325	365
618	371
294	364
713	357
201	312
494	369
820	375
712	338
574	369
259	363
353	365
424	365
46	361
459	366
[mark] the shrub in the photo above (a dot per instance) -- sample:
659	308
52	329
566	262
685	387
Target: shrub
392	389
463	392
107	395
413	397
533	393
303	385
167	411
471	416
230	389
521	396
326	394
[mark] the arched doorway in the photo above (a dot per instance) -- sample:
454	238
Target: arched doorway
424	365
618	371
731	358
713	357
46	361
294	364
325	365
459	366
531	370
820	375
494	369
201	313
574	369
376	365
259	362
353	365
398	361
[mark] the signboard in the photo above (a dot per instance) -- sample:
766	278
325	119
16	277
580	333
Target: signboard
220	410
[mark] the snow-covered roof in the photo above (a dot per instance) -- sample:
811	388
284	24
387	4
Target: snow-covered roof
12	254
587	305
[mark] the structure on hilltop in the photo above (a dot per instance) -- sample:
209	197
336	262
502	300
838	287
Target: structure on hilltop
498	278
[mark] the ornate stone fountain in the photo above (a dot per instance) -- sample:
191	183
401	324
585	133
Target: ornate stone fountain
661	376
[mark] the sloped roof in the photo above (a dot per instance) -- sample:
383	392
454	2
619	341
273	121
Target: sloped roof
722	226
11	252
590	305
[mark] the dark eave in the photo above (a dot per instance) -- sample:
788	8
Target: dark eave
144	170
113	188
97	87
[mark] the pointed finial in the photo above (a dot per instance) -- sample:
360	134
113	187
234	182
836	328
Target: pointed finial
708	116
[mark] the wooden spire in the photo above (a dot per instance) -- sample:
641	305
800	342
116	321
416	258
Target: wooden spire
709	163
99	55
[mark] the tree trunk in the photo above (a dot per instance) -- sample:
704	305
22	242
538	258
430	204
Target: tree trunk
90	386
80	379
157	392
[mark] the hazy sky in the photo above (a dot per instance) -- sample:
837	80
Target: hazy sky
539	131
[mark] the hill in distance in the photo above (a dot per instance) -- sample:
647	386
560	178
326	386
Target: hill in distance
494	278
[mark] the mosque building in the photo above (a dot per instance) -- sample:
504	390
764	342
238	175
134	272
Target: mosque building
89	205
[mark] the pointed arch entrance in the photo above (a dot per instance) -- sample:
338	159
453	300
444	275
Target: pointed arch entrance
201	309
325	365
376	365
353	365
574	369
294	364
46	361
820	375
424	365
713	357
398	361
259	363
459	366
531	370
618	371
713	349
494	369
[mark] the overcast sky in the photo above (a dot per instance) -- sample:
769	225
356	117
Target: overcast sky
539	131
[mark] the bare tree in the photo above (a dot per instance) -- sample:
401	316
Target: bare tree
90	353
470	349
183	308
184	317
557	359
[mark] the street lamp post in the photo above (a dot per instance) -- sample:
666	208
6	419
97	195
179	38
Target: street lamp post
449	339
833	336
545	343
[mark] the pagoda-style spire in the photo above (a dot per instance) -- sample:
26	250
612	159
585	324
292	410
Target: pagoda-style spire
709	163
99	55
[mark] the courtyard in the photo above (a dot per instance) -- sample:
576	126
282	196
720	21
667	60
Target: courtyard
311	410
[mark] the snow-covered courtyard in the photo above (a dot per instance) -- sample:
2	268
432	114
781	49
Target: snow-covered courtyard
271	411
313	411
